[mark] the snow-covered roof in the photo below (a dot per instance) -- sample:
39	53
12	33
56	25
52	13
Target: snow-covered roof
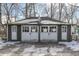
41	20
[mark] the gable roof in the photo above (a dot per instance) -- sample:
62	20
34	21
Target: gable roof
36	20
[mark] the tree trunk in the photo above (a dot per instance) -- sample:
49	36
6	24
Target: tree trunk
59	11
34	10
51	10
26	11
0	13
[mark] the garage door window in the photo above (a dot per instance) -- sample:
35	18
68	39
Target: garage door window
14	28
25	29
33	29
64	28
44	29
53	29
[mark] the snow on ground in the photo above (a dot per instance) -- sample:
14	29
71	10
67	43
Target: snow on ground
13	50
74	45
28	50
34	51
2	43
41	51
54	50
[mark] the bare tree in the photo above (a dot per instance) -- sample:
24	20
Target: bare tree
7	10
70	12
60	10
26	10
0	13
34	12
50	10
53	9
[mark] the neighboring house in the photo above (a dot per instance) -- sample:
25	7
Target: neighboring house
42	29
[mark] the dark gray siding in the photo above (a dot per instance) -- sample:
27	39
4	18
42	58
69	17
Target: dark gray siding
19	32
69	33
9	32
59	33
39	34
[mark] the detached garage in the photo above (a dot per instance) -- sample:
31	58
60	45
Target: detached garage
41	29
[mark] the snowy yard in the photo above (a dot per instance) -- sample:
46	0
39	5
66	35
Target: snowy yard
39	49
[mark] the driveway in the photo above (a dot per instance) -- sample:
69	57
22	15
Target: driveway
35	49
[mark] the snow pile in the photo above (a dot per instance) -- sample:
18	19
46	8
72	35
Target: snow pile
13	50
10	43
74	45
28	50
54	50
35	51
41	51
2	43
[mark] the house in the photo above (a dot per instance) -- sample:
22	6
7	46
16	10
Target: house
39	29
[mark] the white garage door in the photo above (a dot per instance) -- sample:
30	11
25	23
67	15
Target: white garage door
44	33
49	33
14	32
25	31
29	33
34	33
64	32
53	33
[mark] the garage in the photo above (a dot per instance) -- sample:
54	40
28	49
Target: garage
14	32
29	33
41	29
64	32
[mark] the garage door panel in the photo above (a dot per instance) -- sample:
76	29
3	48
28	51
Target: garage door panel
25	37
53	36
53	33
44	36
30	33
25	33
34	33
44	33
34	37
